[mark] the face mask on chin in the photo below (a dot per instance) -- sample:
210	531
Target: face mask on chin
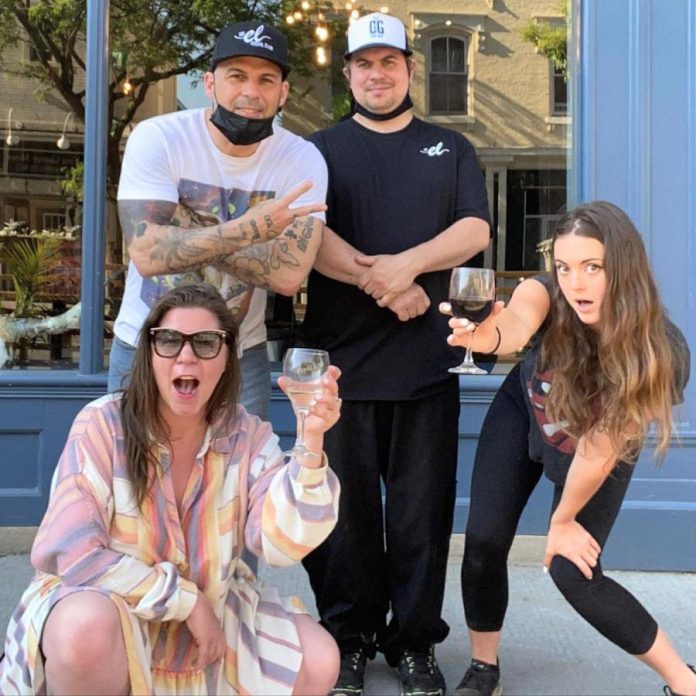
405	105
239	130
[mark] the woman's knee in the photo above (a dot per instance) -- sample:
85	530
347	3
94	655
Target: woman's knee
573	585
484	549
321	658
82	630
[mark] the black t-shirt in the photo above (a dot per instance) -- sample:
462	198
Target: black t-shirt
388	193
548	442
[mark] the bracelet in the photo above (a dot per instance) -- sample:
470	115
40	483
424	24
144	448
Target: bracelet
497	345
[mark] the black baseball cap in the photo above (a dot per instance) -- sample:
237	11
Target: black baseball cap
252	39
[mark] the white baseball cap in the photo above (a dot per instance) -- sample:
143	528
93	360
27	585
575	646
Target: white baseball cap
376	30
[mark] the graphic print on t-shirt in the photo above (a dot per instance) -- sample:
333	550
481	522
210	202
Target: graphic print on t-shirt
553	433
203	205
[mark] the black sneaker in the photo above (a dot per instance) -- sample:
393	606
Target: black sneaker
351	678
481	679
419	674
669	692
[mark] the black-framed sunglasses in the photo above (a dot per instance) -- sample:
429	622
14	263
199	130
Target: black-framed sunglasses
206	345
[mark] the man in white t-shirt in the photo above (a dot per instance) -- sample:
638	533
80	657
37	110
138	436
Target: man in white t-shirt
222	195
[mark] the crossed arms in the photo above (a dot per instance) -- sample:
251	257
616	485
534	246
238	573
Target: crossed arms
271	245
390	278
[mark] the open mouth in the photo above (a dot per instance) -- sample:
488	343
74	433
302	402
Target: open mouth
583	305
186	386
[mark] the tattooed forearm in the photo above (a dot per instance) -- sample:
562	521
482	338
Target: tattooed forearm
136	215
165	237
285	259
250	230
303	229
256	264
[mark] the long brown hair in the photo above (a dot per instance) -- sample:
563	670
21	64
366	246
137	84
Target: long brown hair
140	403
621	378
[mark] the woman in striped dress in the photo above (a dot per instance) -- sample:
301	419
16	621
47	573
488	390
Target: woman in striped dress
140	586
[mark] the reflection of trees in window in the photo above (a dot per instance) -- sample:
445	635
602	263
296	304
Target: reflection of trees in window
448	75
551	40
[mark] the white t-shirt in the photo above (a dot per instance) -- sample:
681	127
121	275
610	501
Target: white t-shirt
173	158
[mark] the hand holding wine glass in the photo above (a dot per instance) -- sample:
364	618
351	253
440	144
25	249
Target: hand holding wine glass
310	383
471	296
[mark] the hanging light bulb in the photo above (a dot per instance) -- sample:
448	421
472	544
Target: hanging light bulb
321	55
11	139
354	14
304	5
63	143
322	33
297	15
127	87
384	9
349	6
290	19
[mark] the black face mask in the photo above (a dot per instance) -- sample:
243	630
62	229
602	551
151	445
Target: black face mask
405	105
239	130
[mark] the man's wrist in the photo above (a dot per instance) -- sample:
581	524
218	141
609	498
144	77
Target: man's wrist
414	262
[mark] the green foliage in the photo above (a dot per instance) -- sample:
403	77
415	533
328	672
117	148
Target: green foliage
30	263
74	182
550	40
340	105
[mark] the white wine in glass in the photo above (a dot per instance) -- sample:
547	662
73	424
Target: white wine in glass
304	368
471	296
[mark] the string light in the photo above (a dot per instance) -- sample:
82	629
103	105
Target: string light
127	86
312	12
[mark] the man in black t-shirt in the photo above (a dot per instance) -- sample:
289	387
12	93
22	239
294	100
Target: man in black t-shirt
406	203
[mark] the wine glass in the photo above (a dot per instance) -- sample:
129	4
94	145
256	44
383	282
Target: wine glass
471	295
304	368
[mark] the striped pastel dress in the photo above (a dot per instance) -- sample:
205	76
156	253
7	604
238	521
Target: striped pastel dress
152	563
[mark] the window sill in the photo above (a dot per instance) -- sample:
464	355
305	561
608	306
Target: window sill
553	122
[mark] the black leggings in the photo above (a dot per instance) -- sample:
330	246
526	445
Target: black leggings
502	481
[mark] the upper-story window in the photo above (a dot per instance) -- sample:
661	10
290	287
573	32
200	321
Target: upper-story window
559	89
448	75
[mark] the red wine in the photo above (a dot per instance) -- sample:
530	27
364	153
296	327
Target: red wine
475	309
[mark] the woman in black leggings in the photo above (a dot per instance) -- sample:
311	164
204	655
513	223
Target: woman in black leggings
616	364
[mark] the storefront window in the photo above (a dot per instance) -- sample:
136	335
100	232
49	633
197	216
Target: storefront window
40	224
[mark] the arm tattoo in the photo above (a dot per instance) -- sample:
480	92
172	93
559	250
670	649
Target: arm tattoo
181	239
135	216
255	264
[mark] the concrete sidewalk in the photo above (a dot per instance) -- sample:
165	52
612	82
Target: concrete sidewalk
547	648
